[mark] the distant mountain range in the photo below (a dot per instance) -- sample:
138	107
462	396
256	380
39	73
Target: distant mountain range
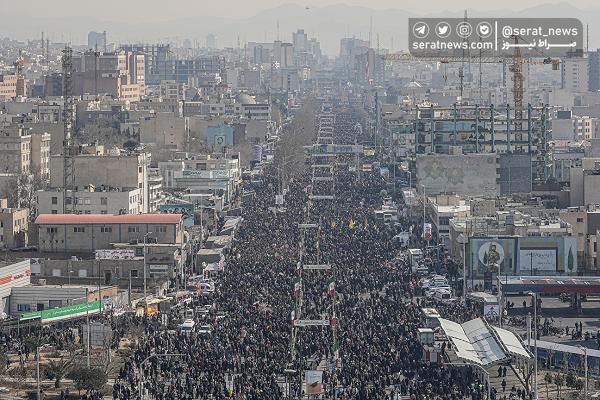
328	24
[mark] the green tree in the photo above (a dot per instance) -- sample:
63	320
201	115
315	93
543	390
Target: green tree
547	380
559	381
57	370
88	378
4	362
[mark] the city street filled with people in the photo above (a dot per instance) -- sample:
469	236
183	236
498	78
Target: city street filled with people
245	351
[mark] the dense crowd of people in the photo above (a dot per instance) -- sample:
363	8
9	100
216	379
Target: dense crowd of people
248	350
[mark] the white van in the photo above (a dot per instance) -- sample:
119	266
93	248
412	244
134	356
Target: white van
187	326
443	295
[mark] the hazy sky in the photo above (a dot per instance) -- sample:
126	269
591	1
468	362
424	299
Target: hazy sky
119	10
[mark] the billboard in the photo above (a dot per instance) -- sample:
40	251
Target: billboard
538	259
492	255
57	314
114	254
186	209
547	255
530	255
313	381
220	135
465	174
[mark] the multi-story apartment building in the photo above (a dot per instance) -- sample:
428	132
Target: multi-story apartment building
40	155
119	74
15	150
108	171
92	200
575	74
8	87
14	226
86	233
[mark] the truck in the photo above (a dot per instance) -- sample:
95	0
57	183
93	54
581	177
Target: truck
415	257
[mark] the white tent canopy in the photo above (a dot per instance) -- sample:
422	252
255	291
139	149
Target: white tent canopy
481	344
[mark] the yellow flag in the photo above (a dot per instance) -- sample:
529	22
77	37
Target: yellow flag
351	223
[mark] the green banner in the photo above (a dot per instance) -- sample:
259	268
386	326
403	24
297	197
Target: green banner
64	312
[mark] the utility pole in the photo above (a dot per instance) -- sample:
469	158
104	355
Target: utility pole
87	323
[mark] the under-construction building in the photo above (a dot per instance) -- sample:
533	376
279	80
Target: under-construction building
477	150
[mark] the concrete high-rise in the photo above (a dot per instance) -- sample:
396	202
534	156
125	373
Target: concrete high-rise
96	39
211	41
575	74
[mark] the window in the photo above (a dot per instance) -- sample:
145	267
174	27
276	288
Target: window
54	200
106	229
82	273
134	273
56	272
133	229
160	229
444	220
54	211
579	219
78	229
54	303
103	212
23	307
87	201
103	201
52	230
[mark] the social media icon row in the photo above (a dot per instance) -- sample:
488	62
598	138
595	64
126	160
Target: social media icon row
443	30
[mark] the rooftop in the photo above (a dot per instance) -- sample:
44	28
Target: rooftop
90	219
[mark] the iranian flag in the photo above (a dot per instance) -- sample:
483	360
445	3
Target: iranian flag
297	287
333	320
331	289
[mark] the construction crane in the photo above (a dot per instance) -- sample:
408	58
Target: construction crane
516	66
69	199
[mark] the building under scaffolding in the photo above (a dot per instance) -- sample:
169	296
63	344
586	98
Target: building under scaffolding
486	129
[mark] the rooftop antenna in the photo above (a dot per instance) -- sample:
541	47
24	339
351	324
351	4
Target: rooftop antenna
370	32
277	29
68	116
587	38
47	51
104	37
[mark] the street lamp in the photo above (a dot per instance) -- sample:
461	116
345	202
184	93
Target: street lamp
288	381
535	332
585	370
464	240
